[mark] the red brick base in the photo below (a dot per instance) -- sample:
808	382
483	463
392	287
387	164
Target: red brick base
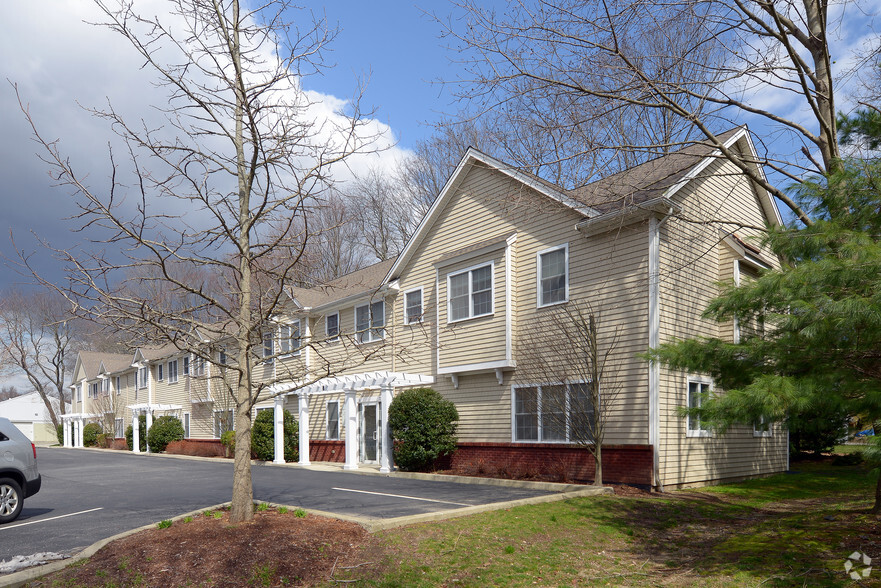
323	450
626	464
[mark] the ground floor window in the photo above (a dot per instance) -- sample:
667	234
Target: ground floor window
698	393
119	428
333	420
186	425
554	413
223	422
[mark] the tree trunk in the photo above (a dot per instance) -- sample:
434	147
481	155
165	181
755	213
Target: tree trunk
598	465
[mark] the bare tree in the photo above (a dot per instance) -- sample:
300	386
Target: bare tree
8	392
567	378
669	72
383	214
241	161
37	341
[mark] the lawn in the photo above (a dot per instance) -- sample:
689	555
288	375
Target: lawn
793	529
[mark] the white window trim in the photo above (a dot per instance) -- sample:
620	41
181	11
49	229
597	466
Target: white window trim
327	421
116	384
267	336
160	372
407	320
143	383
332	338
759	433
186	421
538	300
368	332
290	326
224	411
541	439
170	380
697	380
492	291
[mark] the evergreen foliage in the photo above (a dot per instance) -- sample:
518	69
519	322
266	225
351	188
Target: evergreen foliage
90	434
59	432
423	425
819	359
263	437
165	429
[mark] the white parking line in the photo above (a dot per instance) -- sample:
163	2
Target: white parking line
7	527
402	496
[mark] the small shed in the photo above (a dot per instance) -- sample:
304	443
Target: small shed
29	414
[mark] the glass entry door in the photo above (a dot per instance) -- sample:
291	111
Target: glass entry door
369	426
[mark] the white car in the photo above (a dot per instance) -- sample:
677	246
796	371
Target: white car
19	477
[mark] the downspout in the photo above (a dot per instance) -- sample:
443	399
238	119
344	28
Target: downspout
654	341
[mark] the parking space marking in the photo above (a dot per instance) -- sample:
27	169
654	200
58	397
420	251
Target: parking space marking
5	527
402	496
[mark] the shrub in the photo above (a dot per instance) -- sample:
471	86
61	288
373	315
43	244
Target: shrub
165	429
90	434
129	434
262	436
423	425
59	432
228	440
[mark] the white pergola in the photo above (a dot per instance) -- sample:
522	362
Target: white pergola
72	426
385	382
149	409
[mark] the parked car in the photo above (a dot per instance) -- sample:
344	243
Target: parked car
19	477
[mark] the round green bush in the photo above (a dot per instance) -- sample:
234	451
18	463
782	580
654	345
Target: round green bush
129	434
165	429
423	425
90	434
263	436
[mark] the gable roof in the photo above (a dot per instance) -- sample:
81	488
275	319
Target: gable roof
358	283
93	363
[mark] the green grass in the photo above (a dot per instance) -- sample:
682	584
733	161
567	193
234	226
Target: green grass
788	530
846	449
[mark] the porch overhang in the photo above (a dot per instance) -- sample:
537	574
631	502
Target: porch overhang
354	382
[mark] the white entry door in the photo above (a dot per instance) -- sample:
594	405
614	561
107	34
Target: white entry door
369	427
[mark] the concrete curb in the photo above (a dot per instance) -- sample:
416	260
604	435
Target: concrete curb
21	578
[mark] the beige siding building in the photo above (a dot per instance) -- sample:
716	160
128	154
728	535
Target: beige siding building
476	306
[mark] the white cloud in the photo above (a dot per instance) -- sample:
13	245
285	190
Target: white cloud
60	62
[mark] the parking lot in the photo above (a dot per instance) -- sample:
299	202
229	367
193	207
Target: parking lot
89	495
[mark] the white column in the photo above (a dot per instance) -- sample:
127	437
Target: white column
304	429
278	429
78	434
149	424
136	432
385	434
65	428
351	432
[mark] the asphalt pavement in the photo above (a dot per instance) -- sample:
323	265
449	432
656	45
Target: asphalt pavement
89	495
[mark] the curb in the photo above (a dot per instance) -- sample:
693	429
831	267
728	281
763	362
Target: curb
21	578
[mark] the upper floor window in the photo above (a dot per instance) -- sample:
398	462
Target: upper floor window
159	371
553	275
332	326
470	293
186	366
116	384
105	386
369	322
413	306
142	377
93	390
172	371
268	346
289	338
221	356
698	393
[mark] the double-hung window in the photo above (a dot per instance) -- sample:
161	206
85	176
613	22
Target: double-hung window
289	338
553	275
333	420
186	366
143	374
470	293
698	393
554	413
370	322
413	306
159	372
172	371
223	422
93	390
105	386
332	326
116	385
268	346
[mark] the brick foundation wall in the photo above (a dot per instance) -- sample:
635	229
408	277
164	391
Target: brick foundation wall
626	464
324	450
